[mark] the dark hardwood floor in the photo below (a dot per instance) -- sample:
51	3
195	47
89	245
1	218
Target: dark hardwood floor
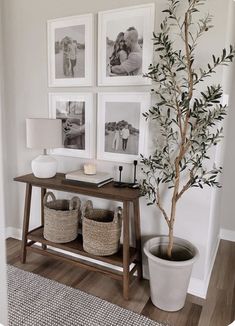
217	310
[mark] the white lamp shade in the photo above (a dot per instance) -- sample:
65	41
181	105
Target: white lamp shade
44	133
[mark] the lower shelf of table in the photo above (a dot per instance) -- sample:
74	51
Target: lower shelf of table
75	247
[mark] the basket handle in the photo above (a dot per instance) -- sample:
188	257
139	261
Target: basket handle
86	207
75	203
45	198
117	214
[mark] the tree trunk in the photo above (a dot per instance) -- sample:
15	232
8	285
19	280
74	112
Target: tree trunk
170	243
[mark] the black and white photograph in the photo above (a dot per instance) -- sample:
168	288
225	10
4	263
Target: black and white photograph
122	122
121	128
125	45
76	114
72	114
70	51
124	48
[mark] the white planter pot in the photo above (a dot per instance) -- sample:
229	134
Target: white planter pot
169	280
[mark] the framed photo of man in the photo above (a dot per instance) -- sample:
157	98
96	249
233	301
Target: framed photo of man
76	112
125	45
70	51
121	128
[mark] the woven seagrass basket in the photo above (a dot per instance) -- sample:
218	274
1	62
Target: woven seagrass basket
61	218
101	230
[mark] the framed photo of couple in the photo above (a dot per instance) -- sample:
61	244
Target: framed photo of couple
78	122
121	127
70	51
125	45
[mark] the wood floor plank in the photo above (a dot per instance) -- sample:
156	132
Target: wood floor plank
188	316
221	314
219	307
194	315
111	291
224	275
232	316
217	310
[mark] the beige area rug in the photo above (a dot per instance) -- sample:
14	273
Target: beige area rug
35	300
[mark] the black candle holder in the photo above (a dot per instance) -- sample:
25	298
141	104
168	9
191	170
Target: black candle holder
120	184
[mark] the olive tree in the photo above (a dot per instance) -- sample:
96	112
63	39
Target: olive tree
187	109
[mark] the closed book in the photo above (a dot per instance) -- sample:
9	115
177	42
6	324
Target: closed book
87	184
79	175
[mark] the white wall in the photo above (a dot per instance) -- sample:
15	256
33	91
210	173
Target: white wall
3	290
227	209
25	46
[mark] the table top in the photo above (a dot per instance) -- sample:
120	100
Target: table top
107	191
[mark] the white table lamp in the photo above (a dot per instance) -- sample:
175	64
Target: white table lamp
44	134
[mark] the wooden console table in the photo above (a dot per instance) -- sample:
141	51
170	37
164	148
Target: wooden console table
126	256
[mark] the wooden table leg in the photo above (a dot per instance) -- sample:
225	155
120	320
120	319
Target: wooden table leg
138	237
43	192
28	195
126	252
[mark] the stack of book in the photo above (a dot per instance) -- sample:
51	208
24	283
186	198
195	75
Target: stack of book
79	178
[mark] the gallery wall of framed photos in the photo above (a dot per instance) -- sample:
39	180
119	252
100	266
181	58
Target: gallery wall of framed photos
116	129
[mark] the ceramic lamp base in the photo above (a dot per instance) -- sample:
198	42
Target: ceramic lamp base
44	166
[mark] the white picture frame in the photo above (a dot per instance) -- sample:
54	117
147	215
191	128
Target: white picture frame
70	51
77	113
110	24
114	111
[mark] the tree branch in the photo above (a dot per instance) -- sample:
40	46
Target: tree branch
190	76
158	201
188	183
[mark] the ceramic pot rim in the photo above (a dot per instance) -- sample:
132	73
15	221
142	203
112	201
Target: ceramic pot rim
163	239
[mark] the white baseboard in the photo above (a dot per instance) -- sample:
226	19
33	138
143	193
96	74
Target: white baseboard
227	235
199	287
11	232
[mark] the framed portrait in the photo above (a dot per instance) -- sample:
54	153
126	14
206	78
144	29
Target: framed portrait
121	128
125	45
70	51
77	115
